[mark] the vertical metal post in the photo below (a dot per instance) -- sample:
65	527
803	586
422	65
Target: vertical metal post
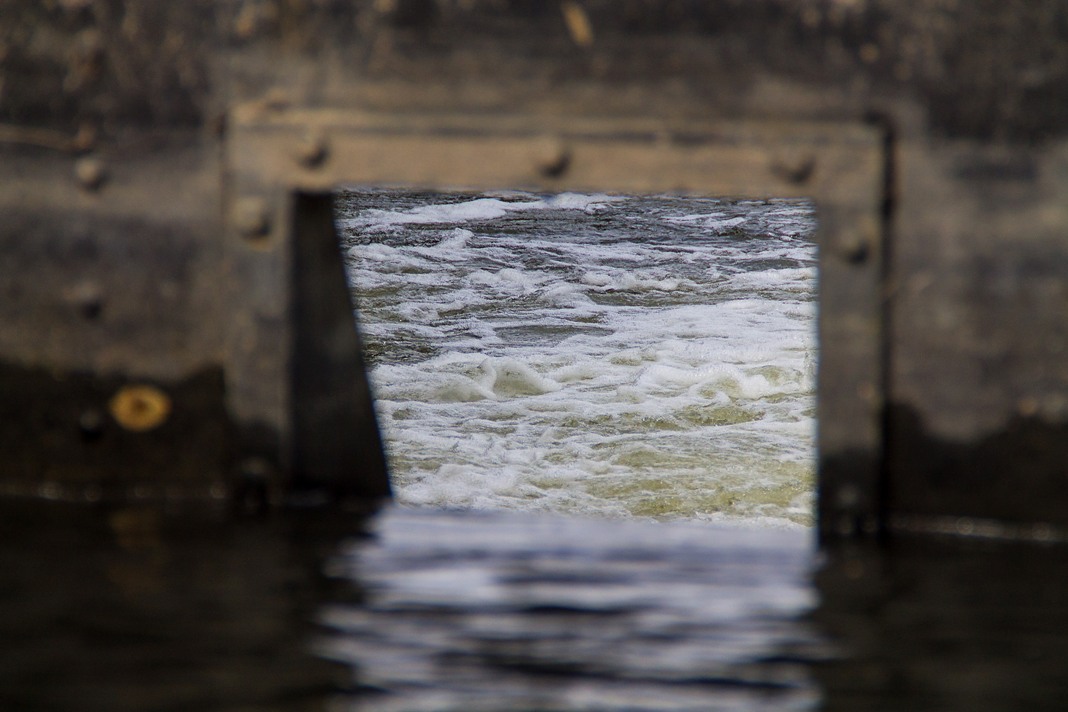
850	393
336	445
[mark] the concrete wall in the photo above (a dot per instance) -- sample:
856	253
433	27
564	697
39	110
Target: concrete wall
154	155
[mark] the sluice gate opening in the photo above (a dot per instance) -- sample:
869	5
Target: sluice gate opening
844	167
590	354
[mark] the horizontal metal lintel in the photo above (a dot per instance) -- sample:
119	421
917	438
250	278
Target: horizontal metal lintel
319	149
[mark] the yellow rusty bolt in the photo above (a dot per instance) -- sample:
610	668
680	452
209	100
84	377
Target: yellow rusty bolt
578	23
140	408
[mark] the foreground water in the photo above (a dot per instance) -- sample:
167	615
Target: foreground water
494	611
134	609
591	354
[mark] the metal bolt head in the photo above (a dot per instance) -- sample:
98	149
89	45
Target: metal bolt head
251	217
91	423
85	139
86	297
551	157
857	252
312	150
140	407
252	490
794	168
578	23
848	496
854	248
91	173
256	469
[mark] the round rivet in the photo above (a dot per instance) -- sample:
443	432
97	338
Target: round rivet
92	493
847	526
87	298
578	23
251	217
251	494
551	157
50	490
794	168
85	139
140	408
848	497
1027	407
91	173
1042	532
256	469
91	424
312	149
854	248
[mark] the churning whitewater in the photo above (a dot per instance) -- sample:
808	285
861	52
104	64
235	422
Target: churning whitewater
591	354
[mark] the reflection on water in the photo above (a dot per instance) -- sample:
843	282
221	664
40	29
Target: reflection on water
131	608
945	625
527	612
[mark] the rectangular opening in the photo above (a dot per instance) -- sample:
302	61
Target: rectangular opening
588	353
843	168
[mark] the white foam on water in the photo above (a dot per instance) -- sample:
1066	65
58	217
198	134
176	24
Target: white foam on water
661	366
716	222
477	209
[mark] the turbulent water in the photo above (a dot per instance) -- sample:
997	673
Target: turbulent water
593	354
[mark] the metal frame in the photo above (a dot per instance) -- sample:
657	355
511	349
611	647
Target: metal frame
276	151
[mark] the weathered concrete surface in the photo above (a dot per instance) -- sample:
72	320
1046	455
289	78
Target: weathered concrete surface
942	289
943	624
986	69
